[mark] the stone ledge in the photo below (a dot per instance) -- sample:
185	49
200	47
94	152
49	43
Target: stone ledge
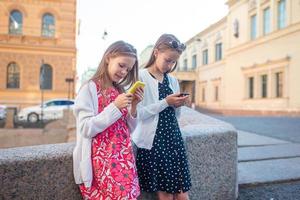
45	171
38	172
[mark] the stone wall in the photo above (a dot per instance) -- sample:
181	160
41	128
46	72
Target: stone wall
57	131
45	171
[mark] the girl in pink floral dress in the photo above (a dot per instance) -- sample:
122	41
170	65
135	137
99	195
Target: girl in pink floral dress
104	165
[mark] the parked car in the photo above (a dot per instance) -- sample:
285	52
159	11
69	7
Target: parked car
2	112
52	109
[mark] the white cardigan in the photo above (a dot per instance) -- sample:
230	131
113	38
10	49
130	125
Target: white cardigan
148	110
89	123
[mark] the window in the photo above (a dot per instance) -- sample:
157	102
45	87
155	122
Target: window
281	14
216	93
253	27
205	57
185	65
52	103
236	28
267	25
67	103
46	77
15	22
13	76
203	94
61	103
218	51
264	85
48	25
251	87
194	61
279	84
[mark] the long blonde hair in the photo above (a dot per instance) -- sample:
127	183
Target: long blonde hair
119	48
163	43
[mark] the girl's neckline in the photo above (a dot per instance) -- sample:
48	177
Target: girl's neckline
155	77
110	87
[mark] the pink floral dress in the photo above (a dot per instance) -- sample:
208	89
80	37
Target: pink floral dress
114	171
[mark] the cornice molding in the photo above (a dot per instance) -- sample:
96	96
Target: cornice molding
267	63
51	11
19	7
33	43
263	39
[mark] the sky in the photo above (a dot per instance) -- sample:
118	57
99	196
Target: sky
140	23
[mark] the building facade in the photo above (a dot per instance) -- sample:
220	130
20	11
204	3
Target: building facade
37	37
145	56
247	62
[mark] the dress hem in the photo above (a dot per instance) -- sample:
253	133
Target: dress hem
170	192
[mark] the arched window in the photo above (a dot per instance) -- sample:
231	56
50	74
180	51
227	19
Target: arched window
15	22
48	25
46	77
13	76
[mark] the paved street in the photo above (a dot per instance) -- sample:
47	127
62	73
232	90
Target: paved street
284	128
268	156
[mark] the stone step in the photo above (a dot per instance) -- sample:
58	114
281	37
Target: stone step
268	171
290	150
247	139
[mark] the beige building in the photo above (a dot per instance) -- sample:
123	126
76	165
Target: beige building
248	62
36	33
145	56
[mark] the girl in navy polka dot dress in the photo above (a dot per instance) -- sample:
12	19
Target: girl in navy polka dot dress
161	157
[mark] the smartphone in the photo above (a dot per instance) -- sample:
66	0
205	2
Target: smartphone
183	94
135	86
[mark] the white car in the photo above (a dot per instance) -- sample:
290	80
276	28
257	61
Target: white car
2	112
52	109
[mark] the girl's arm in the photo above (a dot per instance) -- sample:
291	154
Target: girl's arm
144	112
88	122
131	121
132	114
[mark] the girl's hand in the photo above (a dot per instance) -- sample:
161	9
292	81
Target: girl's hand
176	101
138	96
123	100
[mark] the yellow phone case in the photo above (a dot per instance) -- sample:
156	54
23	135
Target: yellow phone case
136	85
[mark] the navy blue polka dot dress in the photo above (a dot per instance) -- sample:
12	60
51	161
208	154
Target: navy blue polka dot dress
165	166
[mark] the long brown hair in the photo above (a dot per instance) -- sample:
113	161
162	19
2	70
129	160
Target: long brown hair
163	43
119	48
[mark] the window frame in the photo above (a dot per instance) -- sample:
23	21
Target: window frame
253	27
266	20
264	85
16	73
46	85
13	20
251	85
218	51
194	61
205	57
46	30
281	14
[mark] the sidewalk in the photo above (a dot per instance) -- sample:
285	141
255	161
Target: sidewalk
267	167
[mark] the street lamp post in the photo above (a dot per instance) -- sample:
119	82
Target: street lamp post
42	87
